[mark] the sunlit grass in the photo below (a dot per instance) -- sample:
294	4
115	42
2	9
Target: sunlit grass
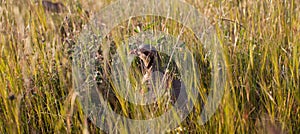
260	41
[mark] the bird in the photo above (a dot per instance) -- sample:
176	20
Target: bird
149	63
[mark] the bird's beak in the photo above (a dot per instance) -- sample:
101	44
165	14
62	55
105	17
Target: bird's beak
134	51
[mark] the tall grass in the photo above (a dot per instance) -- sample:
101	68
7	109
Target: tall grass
261	47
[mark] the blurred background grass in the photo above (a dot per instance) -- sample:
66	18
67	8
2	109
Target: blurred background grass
260	41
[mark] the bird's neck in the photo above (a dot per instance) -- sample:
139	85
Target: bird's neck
147	62
151	61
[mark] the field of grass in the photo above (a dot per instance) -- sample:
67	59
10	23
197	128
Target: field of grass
260	39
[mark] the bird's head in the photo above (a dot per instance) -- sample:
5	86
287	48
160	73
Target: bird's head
145	52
